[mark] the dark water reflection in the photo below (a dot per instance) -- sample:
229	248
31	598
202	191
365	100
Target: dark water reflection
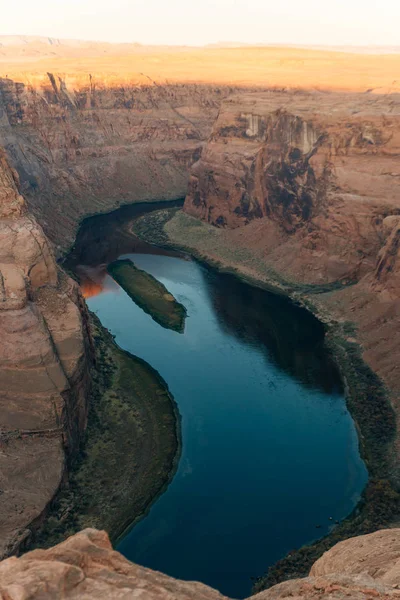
270	454
290	336
101	239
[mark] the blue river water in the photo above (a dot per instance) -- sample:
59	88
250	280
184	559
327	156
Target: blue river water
270	456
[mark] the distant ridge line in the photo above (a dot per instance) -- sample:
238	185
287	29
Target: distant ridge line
7	41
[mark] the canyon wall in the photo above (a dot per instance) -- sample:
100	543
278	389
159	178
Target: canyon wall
318	173
44	362
83	144
309	184
86	567
89	125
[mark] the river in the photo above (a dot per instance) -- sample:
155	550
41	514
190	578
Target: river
270	456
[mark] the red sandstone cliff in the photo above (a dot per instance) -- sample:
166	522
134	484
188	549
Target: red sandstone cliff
309	185
43	367
309	178
89	125
85	145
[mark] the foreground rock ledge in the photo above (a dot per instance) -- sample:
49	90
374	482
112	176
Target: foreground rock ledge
86	567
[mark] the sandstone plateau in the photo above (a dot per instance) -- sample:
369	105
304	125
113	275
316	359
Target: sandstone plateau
86	567
317	173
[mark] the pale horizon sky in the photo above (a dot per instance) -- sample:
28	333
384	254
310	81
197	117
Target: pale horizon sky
184	22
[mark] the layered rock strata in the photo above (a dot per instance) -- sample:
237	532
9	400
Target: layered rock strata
90	125
83	145
308	184
86	567
317	173
44	357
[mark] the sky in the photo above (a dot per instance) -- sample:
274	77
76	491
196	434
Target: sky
189	22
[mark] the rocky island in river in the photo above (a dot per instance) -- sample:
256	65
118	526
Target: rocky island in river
148	293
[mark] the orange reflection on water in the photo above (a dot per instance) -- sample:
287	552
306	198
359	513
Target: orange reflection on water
92	280
91	288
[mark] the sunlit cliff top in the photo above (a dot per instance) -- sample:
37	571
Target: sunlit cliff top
122	64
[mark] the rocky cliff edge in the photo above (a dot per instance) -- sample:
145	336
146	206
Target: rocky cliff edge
86	567
44	359
309	184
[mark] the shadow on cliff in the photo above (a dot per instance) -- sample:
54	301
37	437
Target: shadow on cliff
103	238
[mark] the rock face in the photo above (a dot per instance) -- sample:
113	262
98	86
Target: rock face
309	183
44	360
330	587
318	172
377	555
90	125
86	567
88	145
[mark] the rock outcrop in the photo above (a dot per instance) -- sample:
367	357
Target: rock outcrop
44	359
86	567
314	174
308	184
376	555
89	126
83	145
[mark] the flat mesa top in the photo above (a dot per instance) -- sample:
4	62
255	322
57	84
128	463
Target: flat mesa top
313	102
260	67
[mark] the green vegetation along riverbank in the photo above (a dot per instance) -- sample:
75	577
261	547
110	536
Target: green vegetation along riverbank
366	396
148	293
131	450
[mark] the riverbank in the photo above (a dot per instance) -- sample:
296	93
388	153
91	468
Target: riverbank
130	452
367	398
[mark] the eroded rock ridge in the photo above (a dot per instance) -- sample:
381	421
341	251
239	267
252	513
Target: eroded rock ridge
44	360
309	183
319	172
84	144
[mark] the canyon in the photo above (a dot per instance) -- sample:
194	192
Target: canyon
86	145
91	126
292	185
